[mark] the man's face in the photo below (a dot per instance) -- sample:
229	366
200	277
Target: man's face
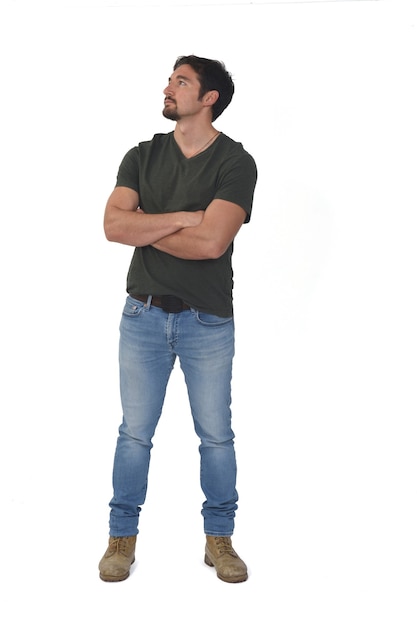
182	95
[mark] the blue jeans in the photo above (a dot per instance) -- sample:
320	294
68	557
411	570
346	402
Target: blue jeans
150	342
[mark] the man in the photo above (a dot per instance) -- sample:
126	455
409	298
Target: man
180	199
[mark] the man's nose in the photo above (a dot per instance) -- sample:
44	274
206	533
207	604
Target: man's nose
168	90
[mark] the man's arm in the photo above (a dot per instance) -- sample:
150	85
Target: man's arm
125	223
209	239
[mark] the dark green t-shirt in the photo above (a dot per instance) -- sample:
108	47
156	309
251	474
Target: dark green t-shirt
167	181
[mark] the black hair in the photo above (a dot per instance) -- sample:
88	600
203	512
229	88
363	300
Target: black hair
213	76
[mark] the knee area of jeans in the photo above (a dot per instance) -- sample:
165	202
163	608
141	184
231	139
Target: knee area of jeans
132	440
216	448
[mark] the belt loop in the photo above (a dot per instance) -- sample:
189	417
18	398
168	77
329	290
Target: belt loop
148	302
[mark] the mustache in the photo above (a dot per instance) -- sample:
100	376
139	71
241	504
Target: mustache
167	99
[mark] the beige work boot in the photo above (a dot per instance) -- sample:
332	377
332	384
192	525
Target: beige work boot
119	556
220	555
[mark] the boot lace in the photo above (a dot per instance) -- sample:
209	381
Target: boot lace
120	545
224	545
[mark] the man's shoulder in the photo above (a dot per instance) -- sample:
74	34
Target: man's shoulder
235	149
158	139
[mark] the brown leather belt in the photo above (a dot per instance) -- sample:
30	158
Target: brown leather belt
170	304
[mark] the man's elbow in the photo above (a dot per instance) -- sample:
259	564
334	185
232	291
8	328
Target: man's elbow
108	232
112	231
215	249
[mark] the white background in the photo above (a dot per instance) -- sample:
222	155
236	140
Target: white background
325	297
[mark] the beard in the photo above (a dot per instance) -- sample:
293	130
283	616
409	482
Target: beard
171	113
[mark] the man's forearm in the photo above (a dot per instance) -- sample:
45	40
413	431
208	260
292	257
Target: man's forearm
208	240
140	229
191	244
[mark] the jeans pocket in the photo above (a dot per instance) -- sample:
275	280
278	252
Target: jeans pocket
133	307
208	319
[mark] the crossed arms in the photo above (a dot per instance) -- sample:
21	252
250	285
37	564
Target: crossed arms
187	235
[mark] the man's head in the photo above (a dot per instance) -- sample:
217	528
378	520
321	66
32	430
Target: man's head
212	76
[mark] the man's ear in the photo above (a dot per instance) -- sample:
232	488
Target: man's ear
211	97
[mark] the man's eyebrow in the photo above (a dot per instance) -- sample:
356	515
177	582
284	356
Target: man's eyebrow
180	77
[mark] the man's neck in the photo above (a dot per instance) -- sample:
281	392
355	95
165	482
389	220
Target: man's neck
192	138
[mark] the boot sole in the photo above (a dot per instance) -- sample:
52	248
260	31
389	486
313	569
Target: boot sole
115	579
235	579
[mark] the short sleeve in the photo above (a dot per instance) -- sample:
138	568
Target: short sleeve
128	174
237	182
